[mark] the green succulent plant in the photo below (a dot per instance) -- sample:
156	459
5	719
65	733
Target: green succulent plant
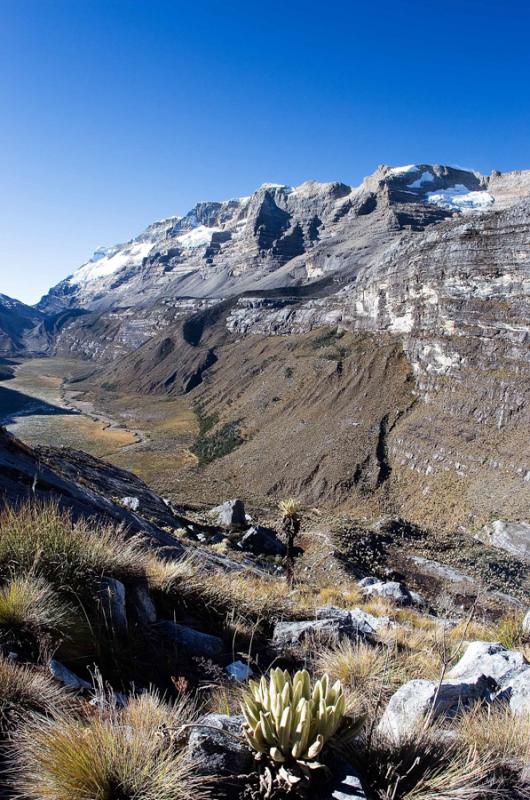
288	720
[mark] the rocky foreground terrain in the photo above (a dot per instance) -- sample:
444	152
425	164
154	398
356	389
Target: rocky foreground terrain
154	651
363	350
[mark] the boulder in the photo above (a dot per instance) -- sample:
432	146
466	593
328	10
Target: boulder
290	634
262	541
202	644
394	591
517	688
142	604
111	594
370	580
230	514
491	659
217	748
346	782
361	622
132	503
418	698
418	600
330	622
513	537
66	676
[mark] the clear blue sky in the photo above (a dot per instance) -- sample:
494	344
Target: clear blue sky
119	112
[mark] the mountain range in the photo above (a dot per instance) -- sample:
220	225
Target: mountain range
367	345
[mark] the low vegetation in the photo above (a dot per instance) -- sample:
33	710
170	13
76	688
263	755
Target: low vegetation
303	709
128	754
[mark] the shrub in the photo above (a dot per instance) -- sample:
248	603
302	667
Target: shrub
29	602
288	720
24	691
133	754
74	555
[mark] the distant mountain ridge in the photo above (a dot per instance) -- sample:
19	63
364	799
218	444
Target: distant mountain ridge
368	345
278	236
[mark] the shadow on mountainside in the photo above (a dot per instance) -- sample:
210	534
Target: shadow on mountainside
15	404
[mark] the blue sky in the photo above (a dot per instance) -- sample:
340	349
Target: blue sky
119	112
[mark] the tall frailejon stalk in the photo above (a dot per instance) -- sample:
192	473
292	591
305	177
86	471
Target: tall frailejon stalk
290	525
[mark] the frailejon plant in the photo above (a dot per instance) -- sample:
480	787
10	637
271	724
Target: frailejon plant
287	720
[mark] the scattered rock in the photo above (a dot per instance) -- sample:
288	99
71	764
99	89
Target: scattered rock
518	689
142	604
291	634
491	659
202	644
361	622
330	622
370	580
239	671
416	699
513	537
111	594
230	514
262	541
216	746
418	600
66	676
132	503
392	590
346	782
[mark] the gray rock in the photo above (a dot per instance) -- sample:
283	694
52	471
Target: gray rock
441	571
216	746
370	580
290	634
111	594
418	698
513	537
487	658
391	590
330	622
133	503
418	600
239	671
230	514
261	541
518	690
66	676
202	644
143	605
360	622
347	783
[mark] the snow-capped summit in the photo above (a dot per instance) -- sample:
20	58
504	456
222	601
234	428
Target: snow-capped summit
278	236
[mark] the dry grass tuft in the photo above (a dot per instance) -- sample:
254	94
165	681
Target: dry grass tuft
425	766
24	691
250	596
73	555
498	732
27	602
127	755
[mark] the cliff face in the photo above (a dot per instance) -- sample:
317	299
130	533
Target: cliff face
369	344
21	328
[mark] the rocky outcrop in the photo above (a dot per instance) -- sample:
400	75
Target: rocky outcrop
21	328
417	379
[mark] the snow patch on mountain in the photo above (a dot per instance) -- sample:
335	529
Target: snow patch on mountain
197	237
459	198
107	262
425	177
403	170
